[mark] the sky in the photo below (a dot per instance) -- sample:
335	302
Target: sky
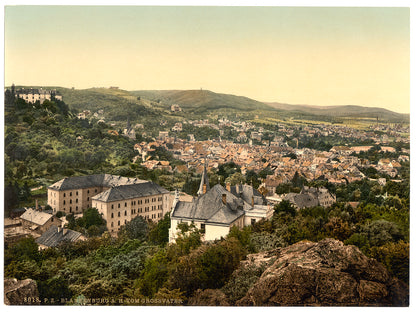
296	55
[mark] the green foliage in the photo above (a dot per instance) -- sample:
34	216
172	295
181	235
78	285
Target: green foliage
196	270
137	228
285	207
155	274
159	234
24	249
395	256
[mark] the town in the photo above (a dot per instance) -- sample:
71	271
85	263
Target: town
203	182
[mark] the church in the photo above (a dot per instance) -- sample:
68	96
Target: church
216	210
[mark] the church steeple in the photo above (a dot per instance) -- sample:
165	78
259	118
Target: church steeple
204	186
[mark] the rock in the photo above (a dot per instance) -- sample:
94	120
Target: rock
208	297
20	292
326	273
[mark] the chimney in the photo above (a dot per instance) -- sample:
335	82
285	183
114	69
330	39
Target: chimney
204	188
252	201
59	229
224	199
37	205
228	186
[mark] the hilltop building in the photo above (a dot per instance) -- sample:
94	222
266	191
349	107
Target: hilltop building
33	95
118	199
215	211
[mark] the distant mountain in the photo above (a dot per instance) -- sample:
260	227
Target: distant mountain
353	111
200	101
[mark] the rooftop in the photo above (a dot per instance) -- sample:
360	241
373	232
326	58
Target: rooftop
122	192
55	235
106	180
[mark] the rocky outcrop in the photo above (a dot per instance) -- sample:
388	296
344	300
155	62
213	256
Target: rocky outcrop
20	292
208	297
326	273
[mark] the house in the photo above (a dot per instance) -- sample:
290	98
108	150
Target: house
215	211
38	221
311	197
56	235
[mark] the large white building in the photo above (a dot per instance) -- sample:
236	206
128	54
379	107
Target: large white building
215	211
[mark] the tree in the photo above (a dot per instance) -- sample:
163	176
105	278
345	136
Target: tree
160	233
285	207
137	228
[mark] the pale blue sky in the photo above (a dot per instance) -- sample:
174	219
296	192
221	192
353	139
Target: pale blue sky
317	56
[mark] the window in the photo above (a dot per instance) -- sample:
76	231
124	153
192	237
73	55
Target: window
96	190
76	193
70	193
119	213
112	224
118	205
64	194
76	208
70	201
76	200
112	206
112	215
64	201
253	221
88	199
88	191
203	228
125	204
125	212
118	222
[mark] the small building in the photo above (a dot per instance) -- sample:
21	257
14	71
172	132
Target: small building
38	221
55	235
311	197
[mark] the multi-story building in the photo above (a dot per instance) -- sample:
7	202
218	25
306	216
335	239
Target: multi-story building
119	205
33	95
119	199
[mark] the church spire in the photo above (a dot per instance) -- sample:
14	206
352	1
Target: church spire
204	186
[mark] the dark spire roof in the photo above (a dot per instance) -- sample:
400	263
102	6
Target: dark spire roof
204	181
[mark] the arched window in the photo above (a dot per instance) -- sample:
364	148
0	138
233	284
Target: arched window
119	213
112	215
64	201
125	212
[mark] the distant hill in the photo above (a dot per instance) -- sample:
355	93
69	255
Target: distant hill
118	105
353	111
200	101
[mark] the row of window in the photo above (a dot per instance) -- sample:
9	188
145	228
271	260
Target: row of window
76	209
133	203
76	193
